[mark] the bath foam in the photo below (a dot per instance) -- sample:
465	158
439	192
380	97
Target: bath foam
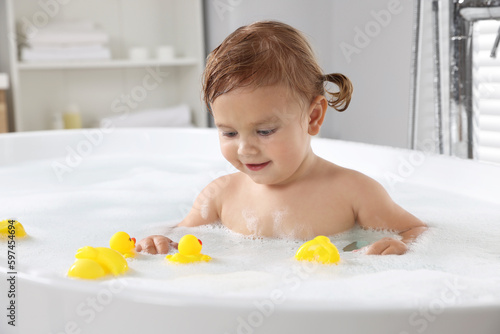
458	257
278	216
204	210
251	220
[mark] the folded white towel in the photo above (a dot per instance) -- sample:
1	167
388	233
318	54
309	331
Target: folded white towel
67	38
70	25
67	49
178	116
69	53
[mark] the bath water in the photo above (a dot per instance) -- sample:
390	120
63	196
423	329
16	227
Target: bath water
457	262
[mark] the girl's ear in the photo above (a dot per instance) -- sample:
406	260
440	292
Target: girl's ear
317	111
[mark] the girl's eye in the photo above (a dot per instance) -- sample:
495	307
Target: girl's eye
266	132
229	134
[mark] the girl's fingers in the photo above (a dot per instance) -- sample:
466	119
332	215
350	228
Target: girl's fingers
162	245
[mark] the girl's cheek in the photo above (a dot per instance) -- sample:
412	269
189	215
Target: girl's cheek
228	151
277	142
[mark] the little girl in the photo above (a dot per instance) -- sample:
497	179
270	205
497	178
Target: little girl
266	91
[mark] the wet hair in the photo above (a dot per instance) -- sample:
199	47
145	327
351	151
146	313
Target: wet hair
268	53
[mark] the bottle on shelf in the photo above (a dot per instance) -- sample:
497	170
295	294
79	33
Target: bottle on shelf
72	118
57	121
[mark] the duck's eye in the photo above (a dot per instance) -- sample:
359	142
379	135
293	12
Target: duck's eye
129	239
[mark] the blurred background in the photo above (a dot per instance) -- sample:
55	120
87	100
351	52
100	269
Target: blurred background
95	63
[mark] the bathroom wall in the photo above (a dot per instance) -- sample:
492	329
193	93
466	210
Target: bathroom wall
368	40
372	45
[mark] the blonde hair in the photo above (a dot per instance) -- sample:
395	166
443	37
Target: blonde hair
267	53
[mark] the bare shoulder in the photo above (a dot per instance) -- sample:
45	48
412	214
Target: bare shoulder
354	181
362	183
372	204
365	189
206	208
220	185
357	188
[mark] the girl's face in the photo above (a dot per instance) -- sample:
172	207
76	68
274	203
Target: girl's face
264	133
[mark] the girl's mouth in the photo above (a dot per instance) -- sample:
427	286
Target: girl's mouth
256	167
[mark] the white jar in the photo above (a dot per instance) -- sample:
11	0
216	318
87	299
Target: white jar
165	52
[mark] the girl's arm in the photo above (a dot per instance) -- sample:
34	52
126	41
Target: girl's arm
205	210
206	207
375	209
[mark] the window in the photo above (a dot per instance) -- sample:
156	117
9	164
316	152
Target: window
486	91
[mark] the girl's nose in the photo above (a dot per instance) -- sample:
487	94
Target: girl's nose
247	147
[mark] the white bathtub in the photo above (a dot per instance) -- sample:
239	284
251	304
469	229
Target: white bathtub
48	302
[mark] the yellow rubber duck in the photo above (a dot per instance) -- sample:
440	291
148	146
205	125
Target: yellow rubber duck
320	249
123	243
96	262
17	228
189	251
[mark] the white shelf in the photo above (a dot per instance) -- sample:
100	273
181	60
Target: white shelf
101	88
115	63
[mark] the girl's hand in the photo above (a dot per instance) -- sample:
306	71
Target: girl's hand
155	244
387	246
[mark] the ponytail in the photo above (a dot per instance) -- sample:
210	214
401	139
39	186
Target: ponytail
341	99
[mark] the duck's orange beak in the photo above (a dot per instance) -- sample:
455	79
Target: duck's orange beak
133	239
200	242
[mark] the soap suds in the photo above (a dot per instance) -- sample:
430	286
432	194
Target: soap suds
278	217
251	220
204	209
105	195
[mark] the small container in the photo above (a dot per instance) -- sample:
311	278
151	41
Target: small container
4	120
165	52
72	118
138	53
57	122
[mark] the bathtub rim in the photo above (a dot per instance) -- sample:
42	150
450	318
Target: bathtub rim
169	299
